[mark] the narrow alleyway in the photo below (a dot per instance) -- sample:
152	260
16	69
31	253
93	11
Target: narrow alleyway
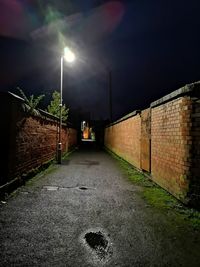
87	213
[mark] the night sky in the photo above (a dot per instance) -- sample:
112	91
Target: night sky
151	47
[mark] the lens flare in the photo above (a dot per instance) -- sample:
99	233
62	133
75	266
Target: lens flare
17	18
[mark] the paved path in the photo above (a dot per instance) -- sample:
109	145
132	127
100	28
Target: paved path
86	213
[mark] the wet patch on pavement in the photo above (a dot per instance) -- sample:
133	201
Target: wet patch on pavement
87	162
98	244
96	240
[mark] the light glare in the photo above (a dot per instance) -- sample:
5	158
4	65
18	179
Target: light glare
69	55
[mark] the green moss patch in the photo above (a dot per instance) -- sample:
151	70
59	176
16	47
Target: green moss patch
41	172
159	198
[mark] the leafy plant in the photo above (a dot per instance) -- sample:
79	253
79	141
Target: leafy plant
31	103
54	107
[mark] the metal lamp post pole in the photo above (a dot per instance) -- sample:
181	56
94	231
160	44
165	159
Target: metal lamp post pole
69	56
60	126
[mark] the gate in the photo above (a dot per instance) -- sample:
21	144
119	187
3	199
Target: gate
145	163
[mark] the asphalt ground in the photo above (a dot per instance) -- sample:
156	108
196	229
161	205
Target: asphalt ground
86	212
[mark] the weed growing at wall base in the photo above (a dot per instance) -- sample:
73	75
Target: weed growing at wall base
157	197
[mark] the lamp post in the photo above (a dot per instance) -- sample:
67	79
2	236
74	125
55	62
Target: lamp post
69	56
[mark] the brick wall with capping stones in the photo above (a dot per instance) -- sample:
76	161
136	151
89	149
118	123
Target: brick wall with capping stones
123	138
174	138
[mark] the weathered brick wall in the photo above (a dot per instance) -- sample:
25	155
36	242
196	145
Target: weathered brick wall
123	138
171	143
35	144
31	141
165	142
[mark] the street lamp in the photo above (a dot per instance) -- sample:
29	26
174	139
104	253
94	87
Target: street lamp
69	56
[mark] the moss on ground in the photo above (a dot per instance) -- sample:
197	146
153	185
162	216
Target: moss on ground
51	168
158	197
47	168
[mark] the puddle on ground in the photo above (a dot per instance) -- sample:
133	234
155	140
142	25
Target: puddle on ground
96	240
98	244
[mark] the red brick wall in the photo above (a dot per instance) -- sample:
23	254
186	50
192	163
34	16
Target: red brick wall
31	141
171	143
36	143
123	138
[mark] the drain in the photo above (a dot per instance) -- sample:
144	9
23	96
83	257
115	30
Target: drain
83	188
96	240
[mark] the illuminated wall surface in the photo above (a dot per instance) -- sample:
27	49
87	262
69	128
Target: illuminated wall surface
164	140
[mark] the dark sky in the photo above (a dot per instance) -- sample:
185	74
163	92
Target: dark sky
152	48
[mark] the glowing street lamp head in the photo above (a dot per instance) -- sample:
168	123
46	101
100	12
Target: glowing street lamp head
69	56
